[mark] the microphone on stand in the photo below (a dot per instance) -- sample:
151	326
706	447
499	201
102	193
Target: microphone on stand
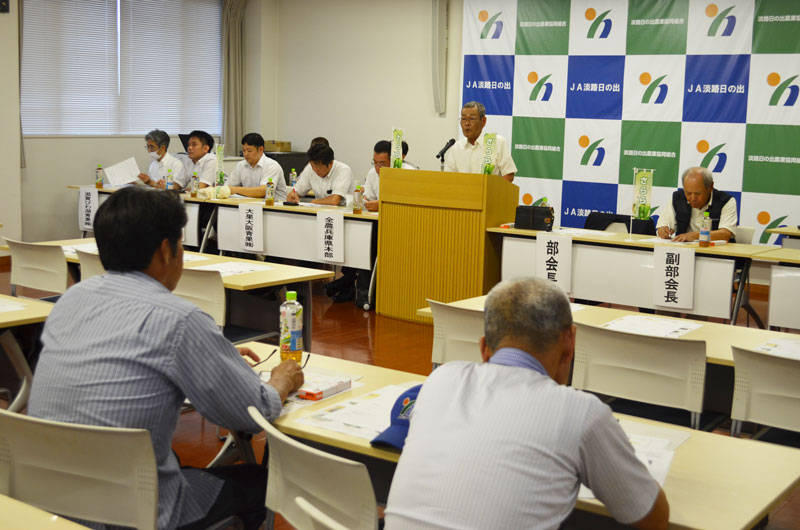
441	153
447	146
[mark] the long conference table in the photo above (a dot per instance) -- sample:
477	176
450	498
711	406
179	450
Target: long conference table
618	268
784	291
714	481
276	275
18	311
289	232
718	337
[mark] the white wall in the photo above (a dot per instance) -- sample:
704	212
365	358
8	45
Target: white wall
260	59
350	71
11	194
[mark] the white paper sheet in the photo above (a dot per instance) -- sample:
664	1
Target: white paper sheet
654	326
6	306
576	307
654	446
123	172
788	348
193	257
230	268
69	250
364	416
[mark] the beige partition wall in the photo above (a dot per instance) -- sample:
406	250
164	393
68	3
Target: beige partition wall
432	240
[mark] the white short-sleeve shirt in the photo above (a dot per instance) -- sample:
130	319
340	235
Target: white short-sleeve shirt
372	183
464	157
493	446
248	176
338	181
158	170
206	169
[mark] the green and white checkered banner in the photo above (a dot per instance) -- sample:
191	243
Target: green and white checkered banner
588	90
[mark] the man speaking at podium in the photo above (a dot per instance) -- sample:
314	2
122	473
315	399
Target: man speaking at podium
479	152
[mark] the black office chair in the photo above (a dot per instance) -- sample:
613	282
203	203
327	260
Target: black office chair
601	221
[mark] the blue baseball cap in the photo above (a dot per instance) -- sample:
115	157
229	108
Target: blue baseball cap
395	434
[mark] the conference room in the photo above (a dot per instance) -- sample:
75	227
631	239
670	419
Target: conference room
272	67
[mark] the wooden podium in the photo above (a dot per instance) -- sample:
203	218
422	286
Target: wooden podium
432	240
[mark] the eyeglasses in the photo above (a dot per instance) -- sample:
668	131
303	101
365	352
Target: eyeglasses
151	148
469	120
380	164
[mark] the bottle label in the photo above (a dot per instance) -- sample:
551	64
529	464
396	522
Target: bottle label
292	328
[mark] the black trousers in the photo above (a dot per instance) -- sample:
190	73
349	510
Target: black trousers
243	495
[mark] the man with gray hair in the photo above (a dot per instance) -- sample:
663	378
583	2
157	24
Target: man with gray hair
504	444
682	217
479	152
162	163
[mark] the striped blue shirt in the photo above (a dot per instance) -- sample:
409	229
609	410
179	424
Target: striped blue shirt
120	350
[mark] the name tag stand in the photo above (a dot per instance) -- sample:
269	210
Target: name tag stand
673	274
554	259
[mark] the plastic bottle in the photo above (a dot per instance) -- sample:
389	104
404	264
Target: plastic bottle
98	177
291	328
195	184
269	193
293	177
221	178
358	203
169	182
705	231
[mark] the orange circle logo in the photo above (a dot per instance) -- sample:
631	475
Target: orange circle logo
712	10
527	199
702	146
533	77
590	14
645	78
583	141
763	217
773	79
483	16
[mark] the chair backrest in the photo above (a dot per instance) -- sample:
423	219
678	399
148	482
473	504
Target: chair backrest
766	389
618	227
456	332
657	370
610	222
206	290
42	267
90	264
317	519
17	359
744	234
98	474
339	487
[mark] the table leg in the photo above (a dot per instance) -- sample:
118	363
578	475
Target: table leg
307	320
212	218
740	291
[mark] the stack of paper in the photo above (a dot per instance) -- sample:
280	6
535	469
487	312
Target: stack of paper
653	326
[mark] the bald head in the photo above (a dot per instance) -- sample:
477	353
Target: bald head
697	186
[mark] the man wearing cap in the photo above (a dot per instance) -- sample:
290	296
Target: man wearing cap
504	444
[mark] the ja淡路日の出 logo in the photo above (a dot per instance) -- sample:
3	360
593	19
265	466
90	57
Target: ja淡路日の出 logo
781	88
653	85
722	158
538	85
713	12
598	21
585	142
483	16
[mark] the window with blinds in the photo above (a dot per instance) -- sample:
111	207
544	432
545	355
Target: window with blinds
103	67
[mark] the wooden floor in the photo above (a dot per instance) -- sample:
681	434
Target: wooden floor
341	330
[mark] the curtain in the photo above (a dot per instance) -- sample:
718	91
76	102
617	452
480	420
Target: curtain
232	75
19	62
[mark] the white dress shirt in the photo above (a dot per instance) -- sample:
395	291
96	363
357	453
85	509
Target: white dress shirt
727	217
465	157
248	176
206	168
338	181
158	170
372	183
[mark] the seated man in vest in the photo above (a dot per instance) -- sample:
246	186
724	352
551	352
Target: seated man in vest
120	350
681	218
505	444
